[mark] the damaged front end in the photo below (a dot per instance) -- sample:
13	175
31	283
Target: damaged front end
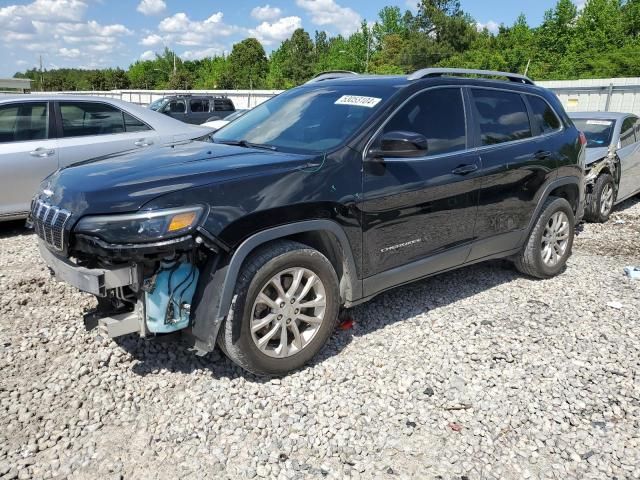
608	164
145	288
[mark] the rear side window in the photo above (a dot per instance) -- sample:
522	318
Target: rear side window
502	116
438	115
23	122
223	105
132	124
543	115
81	119
199	105
627	134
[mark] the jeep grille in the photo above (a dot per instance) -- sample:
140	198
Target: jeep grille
48	223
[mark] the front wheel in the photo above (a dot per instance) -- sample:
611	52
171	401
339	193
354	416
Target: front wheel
285	308
601	204
549	244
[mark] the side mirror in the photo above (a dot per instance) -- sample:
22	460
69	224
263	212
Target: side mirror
400	144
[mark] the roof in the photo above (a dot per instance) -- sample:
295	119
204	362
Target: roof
598	115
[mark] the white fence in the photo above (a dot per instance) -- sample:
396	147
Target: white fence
601	95
613	94
240	98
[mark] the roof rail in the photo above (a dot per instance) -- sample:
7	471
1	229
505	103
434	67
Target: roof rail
331	74
439	72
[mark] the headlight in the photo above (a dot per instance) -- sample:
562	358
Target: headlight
141	227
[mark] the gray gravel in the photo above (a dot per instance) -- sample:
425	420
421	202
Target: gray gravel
478	373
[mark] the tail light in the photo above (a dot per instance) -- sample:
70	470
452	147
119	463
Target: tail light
583	139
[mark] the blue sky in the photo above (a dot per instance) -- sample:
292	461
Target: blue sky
108	33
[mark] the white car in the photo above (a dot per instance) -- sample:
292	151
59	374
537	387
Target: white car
218	124
42	133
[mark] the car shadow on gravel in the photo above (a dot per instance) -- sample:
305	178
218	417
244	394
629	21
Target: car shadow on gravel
171	353
14	228
627	204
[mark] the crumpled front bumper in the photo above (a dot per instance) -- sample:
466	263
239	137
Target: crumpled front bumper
91	280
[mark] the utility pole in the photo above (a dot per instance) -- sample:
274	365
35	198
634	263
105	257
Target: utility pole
366	65
526	70
41	76
174	63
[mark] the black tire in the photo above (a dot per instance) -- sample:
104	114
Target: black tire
594	212
235	338
530	261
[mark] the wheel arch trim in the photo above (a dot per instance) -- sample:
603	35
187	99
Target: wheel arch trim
546	192
216	297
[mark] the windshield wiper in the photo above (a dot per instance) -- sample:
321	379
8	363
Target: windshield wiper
246	144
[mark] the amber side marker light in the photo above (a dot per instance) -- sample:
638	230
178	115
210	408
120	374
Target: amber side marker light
182	221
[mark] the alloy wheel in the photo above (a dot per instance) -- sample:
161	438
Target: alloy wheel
288	312
606	200
555	239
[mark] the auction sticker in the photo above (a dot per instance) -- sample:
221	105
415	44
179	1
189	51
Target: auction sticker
604	123
358	101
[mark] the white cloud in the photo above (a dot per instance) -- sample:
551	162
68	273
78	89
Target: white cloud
181	30
152	7
328	12
492	26
266	13
268	33
69	52
148	55
204	53
152	40
46	10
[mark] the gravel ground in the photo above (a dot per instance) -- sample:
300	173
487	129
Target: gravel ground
474	374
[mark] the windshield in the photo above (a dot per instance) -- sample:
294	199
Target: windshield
236	114
598	132
156	105
307	119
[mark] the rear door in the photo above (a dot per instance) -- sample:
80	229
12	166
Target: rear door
28	153
198	110
94	129
515	164
629	154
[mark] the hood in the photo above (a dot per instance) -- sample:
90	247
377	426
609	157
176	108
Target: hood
125	182
595	153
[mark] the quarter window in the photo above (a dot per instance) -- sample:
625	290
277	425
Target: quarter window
543	115
502	116
23	122
132	124
199	105
627	135
81	119
438	115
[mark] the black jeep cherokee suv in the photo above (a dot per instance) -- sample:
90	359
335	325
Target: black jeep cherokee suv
318	199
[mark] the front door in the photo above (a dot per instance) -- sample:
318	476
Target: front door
28	153
417	208
629	154
199	110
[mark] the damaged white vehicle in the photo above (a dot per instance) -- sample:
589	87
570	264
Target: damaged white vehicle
613	160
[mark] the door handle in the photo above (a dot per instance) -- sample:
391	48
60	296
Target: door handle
464	169
143	143
543	155
42	152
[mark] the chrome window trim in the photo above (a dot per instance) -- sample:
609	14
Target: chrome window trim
466	150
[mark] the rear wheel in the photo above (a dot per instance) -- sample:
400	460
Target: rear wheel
285	307
601	204
549	244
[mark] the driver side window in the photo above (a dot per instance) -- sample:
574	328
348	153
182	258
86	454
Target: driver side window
436	114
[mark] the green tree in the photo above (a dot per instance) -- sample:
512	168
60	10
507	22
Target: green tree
297	57
248	64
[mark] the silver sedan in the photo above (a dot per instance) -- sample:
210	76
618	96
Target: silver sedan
41	133
613	160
